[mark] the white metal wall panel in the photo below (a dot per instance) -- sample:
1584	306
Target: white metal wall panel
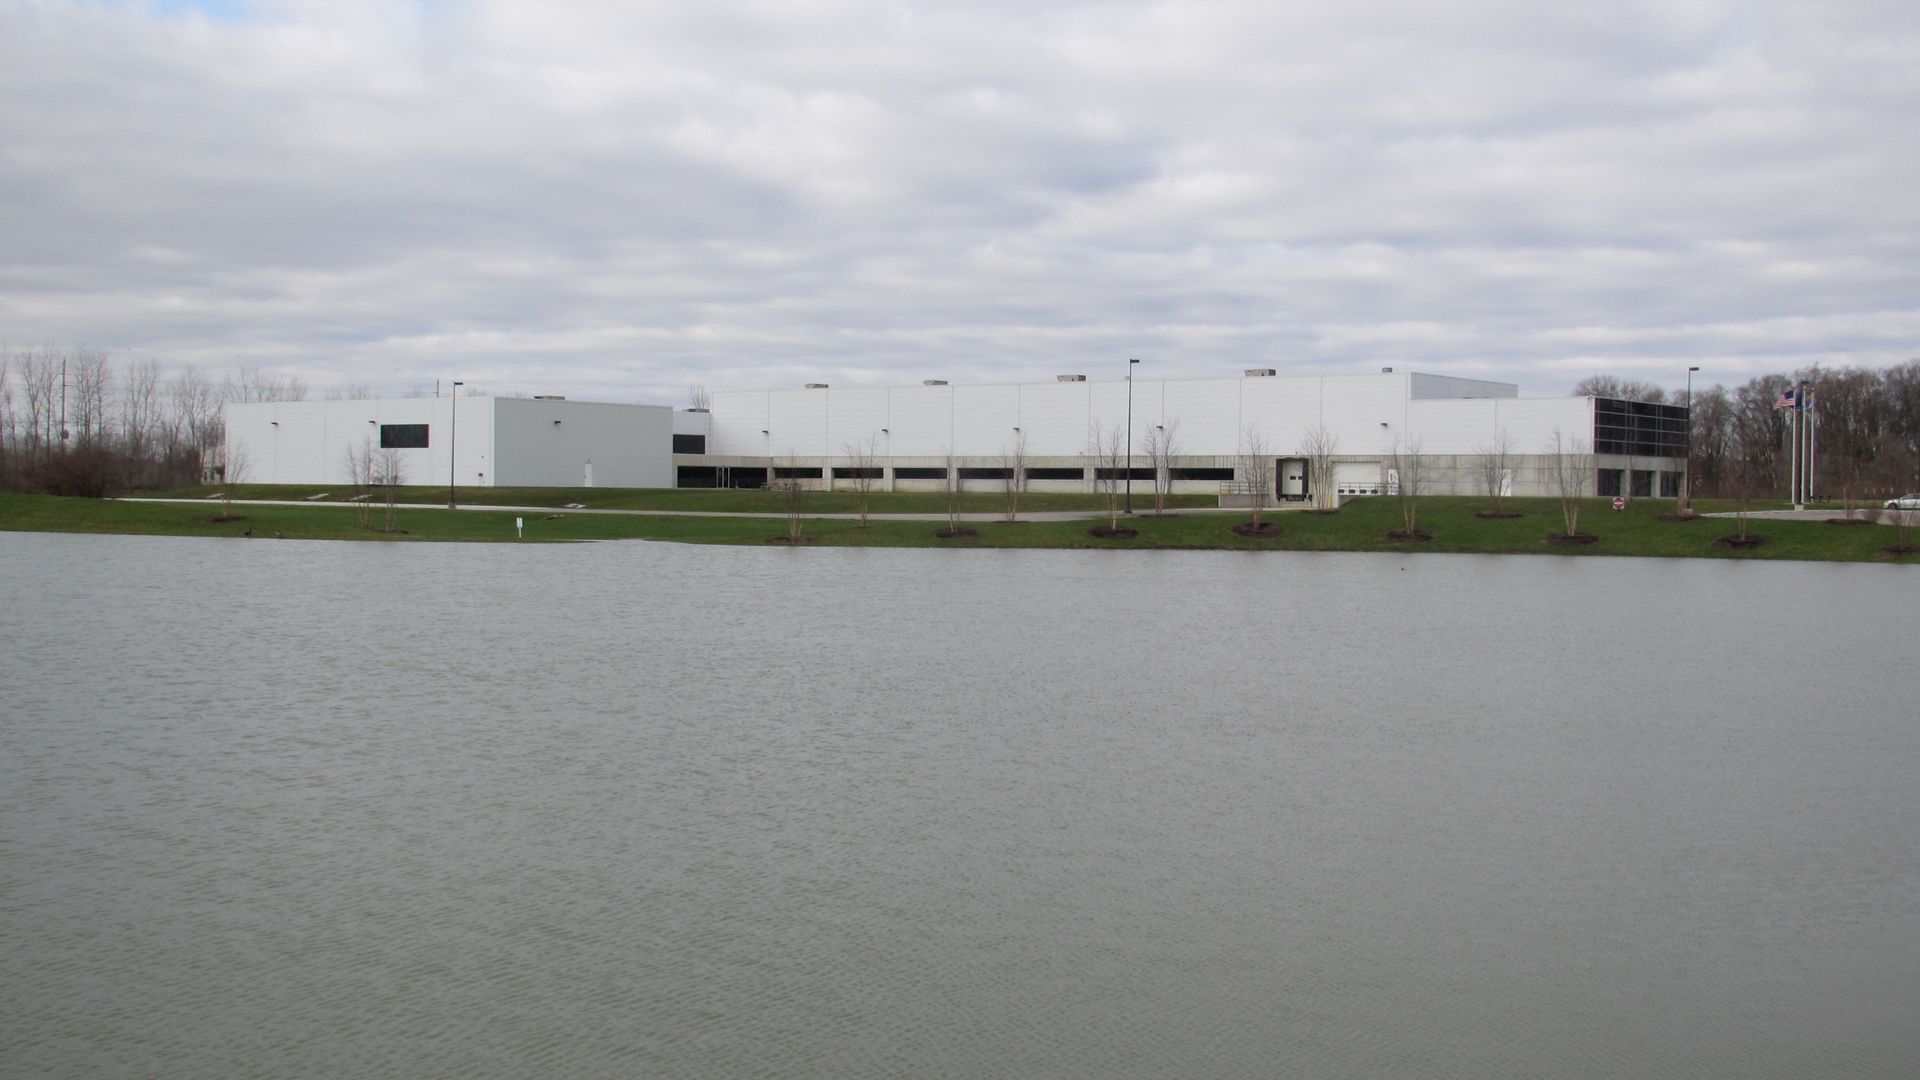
855	416
306	442
1454	427
797	424
739	417
1353	408
984	417
1208	412
1054	417
922	422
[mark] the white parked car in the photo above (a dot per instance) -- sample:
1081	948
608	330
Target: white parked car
1905	502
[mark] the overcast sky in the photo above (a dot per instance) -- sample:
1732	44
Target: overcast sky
615	199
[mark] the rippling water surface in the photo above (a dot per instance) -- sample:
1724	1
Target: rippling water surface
301	809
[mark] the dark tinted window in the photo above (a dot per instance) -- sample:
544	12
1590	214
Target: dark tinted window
689	444
403	436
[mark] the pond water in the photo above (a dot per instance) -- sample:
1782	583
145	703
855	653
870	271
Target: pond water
304	809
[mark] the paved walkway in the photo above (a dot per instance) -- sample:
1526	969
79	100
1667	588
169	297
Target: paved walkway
1041	515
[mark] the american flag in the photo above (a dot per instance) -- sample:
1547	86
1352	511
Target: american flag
1784	401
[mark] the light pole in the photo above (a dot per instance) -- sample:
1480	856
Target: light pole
1129	464
1686	475
453	441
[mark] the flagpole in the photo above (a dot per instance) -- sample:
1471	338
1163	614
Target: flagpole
1793	455
1813	441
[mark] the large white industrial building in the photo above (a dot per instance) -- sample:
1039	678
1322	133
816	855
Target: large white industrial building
936	434
474	441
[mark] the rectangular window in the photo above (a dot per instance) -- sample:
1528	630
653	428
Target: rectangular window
1056	474
850	473
1670	485
1203	474
689	444
1121	474
984	474
1639	428
796	472
403	436
1609	481
917	473
1642	484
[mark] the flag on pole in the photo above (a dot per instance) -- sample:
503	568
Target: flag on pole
1786	400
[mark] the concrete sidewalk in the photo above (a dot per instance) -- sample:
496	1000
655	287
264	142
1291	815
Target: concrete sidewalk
973	517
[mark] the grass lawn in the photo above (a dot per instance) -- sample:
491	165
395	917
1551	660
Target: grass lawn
711	501
1361	526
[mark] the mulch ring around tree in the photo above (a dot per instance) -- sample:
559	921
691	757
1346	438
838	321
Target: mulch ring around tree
1418	535
1850	521
1497	515
1572	540
1117	533
1677	517
1900	550
1740	543
1266	530
790	540
218	519
956	534
1322	510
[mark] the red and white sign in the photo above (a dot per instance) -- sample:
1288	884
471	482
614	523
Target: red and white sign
1619	503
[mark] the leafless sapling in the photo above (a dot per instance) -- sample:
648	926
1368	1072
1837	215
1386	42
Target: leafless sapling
1408	467
1256	471
389	472
1569	465
1013	474
1496	469
863	461
1319	446
1162	443
1107	449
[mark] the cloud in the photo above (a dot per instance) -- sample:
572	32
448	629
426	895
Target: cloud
614	200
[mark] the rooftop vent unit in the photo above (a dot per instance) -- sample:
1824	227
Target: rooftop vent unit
1260	373
1069	378
816	386
549	397
933	382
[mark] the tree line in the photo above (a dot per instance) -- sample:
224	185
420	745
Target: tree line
74	422
1866	426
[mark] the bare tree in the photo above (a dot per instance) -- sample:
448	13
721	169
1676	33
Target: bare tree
6	417
89	380
389	472
794	493
1496	470
955	496
699	398
1013	474
1107	448
40	381
1162	443
359	462
1570	466
863	461
139	417
236	464
1319	446
1407	467
1611	386
1256	471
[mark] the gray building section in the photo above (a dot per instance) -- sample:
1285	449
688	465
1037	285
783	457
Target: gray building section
543	443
